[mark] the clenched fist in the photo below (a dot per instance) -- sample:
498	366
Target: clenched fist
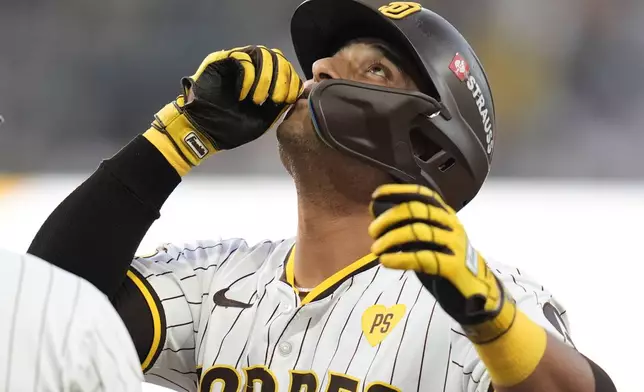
414	229
235	96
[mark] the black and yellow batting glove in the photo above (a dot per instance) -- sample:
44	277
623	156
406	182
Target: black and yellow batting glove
236	95
415	230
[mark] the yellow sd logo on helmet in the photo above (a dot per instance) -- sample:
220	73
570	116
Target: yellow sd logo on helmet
399	9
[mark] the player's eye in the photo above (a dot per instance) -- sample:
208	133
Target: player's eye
379	69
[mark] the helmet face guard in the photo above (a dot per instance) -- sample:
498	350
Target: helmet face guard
381	126
371	122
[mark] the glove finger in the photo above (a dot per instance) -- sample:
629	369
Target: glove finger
470	288
212	58
399	193
414	237
282	80
248	78
408	213
424	261
264	75
295	88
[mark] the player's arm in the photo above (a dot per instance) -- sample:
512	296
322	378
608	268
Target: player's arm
415	230
561	368
94	233
539	337
237	95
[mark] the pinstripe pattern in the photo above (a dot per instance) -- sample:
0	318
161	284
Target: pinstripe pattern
424	350
60	332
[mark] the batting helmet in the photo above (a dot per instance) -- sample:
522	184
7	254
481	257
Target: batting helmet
442	136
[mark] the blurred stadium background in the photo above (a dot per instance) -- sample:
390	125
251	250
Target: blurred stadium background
565	200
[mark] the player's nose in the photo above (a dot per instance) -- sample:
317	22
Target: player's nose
325	68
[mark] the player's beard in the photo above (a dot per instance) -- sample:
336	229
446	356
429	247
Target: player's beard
324	176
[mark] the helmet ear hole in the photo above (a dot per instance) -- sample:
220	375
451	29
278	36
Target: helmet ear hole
423	148
426	150
448	164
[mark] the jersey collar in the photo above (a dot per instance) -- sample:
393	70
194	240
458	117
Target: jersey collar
327	287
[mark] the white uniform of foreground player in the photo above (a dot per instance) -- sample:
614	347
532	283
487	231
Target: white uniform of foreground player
225	315
59	333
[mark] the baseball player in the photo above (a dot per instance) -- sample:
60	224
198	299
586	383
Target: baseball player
59	333
380	289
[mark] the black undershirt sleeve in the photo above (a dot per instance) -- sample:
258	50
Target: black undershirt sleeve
603	382
95	232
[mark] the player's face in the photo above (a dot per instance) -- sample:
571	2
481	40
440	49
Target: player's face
358	61
361	62
318	170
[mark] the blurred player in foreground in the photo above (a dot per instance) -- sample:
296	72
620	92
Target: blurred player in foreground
59	333
381	289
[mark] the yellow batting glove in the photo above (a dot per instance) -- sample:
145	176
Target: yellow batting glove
415	230
237	95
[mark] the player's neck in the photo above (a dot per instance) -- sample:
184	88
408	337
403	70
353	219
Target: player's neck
327	242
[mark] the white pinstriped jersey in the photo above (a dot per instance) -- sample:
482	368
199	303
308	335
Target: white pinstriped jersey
60	333
368	329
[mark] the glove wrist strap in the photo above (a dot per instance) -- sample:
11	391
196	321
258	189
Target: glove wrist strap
176	138
514	355
491	330
510	344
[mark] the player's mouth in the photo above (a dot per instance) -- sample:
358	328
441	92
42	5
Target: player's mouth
306	92
302	100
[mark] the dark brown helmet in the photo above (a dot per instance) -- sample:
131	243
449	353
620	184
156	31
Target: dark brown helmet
442	136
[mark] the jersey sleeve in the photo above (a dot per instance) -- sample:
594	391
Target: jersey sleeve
534	300
176	284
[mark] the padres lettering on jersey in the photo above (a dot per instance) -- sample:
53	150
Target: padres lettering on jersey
60	333
231	322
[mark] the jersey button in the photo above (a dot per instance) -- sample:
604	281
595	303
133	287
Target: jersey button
287	308
285	348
